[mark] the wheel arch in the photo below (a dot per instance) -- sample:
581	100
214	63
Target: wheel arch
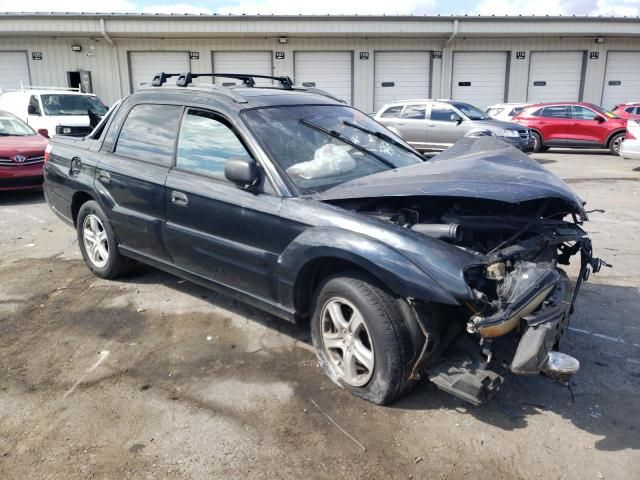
79	198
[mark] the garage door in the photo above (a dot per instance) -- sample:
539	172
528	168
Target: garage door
257	63
401	75
14	69
330	71
555	76
144	65
479	78
622	79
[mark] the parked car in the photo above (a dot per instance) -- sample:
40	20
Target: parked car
438	124
311	210
627	110
505	111
630	148
574	125
21	154
61	112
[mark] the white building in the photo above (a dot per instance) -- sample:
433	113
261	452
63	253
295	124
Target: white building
365	60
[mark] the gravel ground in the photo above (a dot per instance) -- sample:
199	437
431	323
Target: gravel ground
153	377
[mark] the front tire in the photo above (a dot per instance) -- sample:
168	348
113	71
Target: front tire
537	142
360	339
98	243
615	143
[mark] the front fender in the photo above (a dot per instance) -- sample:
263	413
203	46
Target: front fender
399	273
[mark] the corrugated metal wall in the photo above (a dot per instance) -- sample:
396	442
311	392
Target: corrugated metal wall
110	69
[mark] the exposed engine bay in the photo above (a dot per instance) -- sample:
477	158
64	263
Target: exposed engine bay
520	299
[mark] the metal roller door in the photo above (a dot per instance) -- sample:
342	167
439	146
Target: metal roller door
330	71
257	63
622	79
14	69
479	78
144	65
555	76
400	76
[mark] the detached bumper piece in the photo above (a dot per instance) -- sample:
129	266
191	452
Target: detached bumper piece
467	381
545	328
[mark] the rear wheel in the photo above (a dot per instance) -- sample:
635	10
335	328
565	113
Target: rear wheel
537	142
360	339
615	143
98	243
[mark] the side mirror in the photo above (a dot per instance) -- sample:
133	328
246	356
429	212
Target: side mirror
456	118
241	171
599	119
32	110
44	132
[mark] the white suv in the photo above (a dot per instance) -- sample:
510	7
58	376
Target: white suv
59	111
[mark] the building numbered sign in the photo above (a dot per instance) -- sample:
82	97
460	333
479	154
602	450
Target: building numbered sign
36	55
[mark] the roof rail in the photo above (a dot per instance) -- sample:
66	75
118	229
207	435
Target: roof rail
186	78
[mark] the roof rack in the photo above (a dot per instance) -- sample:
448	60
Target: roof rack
186	78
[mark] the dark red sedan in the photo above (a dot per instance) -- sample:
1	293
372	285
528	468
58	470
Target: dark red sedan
21	154
573	125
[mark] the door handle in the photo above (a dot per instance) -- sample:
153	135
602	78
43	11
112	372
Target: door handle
399	123
104	177
180	199
431	124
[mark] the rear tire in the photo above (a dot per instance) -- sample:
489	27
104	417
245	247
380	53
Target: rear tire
615	143
360	338
98	243
537	142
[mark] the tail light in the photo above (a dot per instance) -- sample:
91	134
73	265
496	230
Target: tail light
47	151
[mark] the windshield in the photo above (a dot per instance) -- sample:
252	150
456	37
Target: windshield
11	126
470	111
320	146
65	104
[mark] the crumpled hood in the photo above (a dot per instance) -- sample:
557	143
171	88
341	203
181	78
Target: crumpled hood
482	167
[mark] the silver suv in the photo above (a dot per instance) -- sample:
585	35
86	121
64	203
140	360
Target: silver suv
438	124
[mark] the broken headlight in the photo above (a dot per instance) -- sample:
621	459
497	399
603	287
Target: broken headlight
520	293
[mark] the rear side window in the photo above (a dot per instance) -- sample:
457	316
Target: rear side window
415	112
392	112
206	143
554	112
149	133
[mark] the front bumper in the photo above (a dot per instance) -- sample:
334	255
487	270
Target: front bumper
524	144
27	177
543	332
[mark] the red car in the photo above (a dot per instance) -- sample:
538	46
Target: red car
572	124
21	154
628	111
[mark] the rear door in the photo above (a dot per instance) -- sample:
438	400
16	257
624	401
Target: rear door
442	130
553	122
412	124
214	228
584	127
131	175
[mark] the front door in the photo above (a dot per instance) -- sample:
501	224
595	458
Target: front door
585	128
443	129
214	228
130	180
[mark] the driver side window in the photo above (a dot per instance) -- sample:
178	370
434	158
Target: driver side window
205	144
440	113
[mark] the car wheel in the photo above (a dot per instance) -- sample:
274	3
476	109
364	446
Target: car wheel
537	142
98	243
360	339
615	143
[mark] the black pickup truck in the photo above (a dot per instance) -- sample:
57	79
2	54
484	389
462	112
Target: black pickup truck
302	206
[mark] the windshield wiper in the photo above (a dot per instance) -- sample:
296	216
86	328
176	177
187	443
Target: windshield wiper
342	138
383	136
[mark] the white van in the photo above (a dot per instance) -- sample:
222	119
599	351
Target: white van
59	111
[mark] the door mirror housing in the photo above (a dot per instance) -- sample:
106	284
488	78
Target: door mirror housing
600	119
242	171
44	132
32	110
456	118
